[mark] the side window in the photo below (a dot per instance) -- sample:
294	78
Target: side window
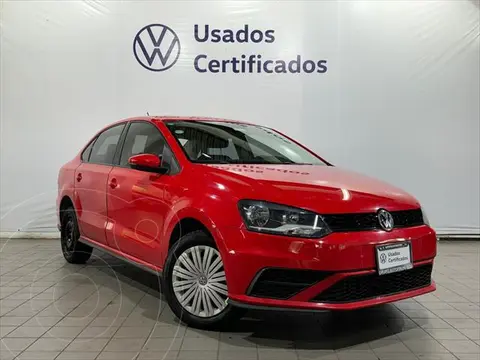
142	137
104	148
87	151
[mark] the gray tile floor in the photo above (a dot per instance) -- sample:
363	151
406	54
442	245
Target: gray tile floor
111	310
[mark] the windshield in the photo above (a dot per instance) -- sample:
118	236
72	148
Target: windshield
235	143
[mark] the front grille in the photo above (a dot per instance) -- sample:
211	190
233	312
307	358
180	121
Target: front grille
276	283
363	287
407	218
352	222
369	221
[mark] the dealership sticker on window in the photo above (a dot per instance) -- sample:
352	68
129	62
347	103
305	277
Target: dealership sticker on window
394	257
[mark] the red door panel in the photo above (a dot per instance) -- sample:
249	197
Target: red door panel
91	200
136	213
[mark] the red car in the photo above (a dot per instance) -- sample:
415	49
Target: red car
236	215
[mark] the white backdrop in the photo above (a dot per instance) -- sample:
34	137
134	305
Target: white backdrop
399	100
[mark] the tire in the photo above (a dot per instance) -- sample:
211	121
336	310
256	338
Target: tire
211	288
74	251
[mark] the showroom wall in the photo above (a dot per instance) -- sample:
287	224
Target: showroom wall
385	88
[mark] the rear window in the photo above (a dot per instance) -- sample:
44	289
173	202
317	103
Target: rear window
104	148
86	153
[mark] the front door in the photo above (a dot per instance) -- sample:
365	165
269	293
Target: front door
136	209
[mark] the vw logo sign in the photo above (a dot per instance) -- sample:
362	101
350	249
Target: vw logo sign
385	219
156	47
383	258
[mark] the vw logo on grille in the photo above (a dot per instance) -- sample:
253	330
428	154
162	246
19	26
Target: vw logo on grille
385	219
156	47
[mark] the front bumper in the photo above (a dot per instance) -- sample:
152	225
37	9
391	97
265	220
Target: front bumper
339	271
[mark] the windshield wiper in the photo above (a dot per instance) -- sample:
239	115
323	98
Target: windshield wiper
247	162
212	161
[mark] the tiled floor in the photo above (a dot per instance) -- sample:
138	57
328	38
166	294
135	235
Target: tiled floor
110	310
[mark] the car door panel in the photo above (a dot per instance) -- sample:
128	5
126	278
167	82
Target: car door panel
136	213
91	199
90	181
135	199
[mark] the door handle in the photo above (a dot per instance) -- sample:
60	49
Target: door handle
113	183
79	177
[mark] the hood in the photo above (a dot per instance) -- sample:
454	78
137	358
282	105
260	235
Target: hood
325	189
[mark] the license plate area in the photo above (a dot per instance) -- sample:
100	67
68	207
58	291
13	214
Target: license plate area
393	258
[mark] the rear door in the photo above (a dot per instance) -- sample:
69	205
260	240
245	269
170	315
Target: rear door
91	183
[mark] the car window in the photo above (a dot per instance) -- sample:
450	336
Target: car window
144	138
87	151
237	143
104	148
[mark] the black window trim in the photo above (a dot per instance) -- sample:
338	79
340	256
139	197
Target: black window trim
121	142
94	140
119	149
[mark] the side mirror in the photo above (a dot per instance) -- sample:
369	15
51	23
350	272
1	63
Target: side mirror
147	162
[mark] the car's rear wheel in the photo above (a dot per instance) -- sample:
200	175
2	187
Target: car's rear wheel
195	285
74	251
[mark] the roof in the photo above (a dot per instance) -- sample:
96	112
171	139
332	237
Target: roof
192	118
180	118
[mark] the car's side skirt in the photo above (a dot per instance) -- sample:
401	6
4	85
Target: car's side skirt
122	256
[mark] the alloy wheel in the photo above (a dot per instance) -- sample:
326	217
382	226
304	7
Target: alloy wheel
199	281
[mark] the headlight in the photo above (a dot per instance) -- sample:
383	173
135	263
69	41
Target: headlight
425	218
277	219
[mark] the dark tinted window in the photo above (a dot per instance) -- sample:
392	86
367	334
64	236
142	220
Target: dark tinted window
87	151
142	138
103	149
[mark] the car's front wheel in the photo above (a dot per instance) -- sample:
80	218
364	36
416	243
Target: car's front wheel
195	285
